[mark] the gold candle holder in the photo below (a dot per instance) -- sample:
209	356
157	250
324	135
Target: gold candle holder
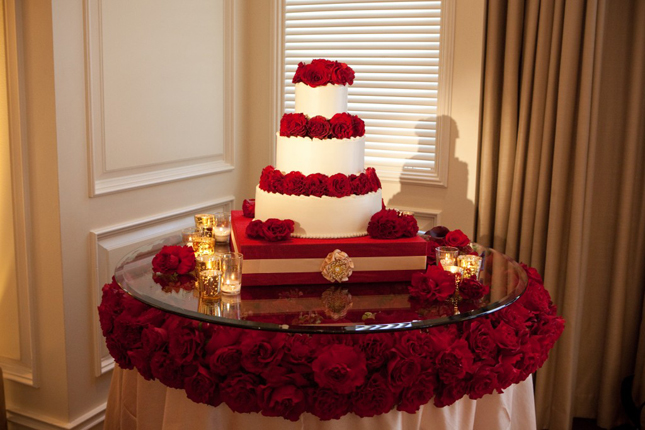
188	234
203	245
446	256
210	284
207	262
471	264
205	223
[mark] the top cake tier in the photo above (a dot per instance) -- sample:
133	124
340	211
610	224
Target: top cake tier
326	101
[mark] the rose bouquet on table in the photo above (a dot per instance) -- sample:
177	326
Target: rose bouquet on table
173	267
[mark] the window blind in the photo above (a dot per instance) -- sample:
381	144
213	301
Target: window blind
394	47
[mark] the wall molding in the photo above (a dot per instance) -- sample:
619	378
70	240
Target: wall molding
108	245
105	181
24	369
40	422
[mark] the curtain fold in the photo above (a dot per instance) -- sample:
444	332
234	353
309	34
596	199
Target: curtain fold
561	185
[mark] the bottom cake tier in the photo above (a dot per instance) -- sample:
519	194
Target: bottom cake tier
320	217
301	261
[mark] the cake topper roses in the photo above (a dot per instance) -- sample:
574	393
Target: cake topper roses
321	72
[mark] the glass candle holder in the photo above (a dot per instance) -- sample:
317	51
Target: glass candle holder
188	234
210	284
231	306
209	307
207	262
222	227
446	256
231	266
457	271
471	265
203	245
205	223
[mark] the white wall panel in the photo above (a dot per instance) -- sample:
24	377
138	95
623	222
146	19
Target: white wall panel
159	87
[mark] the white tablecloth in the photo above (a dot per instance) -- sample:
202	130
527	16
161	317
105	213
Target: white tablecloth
135	403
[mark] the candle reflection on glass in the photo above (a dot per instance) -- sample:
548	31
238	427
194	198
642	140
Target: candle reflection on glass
209	307
231	266
231	306
459	276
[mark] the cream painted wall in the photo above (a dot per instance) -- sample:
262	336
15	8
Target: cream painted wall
10	335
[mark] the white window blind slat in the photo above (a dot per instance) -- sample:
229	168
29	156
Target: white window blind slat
395	49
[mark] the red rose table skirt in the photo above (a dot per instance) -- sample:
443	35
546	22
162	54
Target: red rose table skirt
135	403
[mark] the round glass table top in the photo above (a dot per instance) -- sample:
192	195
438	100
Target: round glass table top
323	308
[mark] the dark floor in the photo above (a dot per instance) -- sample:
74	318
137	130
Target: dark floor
584	424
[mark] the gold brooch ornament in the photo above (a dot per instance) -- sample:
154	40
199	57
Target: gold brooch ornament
337	266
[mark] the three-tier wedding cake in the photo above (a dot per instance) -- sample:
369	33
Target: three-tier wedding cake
319	180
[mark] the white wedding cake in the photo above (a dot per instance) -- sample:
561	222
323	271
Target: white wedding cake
319	180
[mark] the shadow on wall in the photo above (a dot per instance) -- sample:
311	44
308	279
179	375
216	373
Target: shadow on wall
450	198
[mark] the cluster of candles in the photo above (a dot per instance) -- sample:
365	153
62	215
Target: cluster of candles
219	271
462	266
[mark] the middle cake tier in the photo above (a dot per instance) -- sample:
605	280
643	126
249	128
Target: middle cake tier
326	156
320	217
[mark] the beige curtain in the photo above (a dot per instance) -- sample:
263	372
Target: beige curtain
561	186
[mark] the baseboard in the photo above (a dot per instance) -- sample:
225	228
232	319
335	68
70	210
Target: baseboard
35	421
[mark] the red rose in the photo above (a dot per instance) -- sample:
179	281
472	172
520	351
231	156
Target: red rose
339	186
141	362
293	124
174	259
483	382
275	230
261	350
276	179
438	232
167	370
185	343
316	184
340	368
119	352
225	360
454	362
110	306
373	398
254	229
450	393
419	344
374	346
294	184
481	338
153	339
318	127
371	175
360	184
200	387
316	74
265	178
286	401
419	394
457	238
384	225
248	208
299	353
327	404
409	226
341	74
358	126
297	77
506	337
471	289
402	370
238	391
341	125
436	285
127	331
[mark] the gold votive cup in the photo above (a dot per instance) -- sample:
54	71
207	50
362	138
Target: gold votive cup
188	234
471	264
204	223
207	262
231	266
210	284
446	256
203	245
222	227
